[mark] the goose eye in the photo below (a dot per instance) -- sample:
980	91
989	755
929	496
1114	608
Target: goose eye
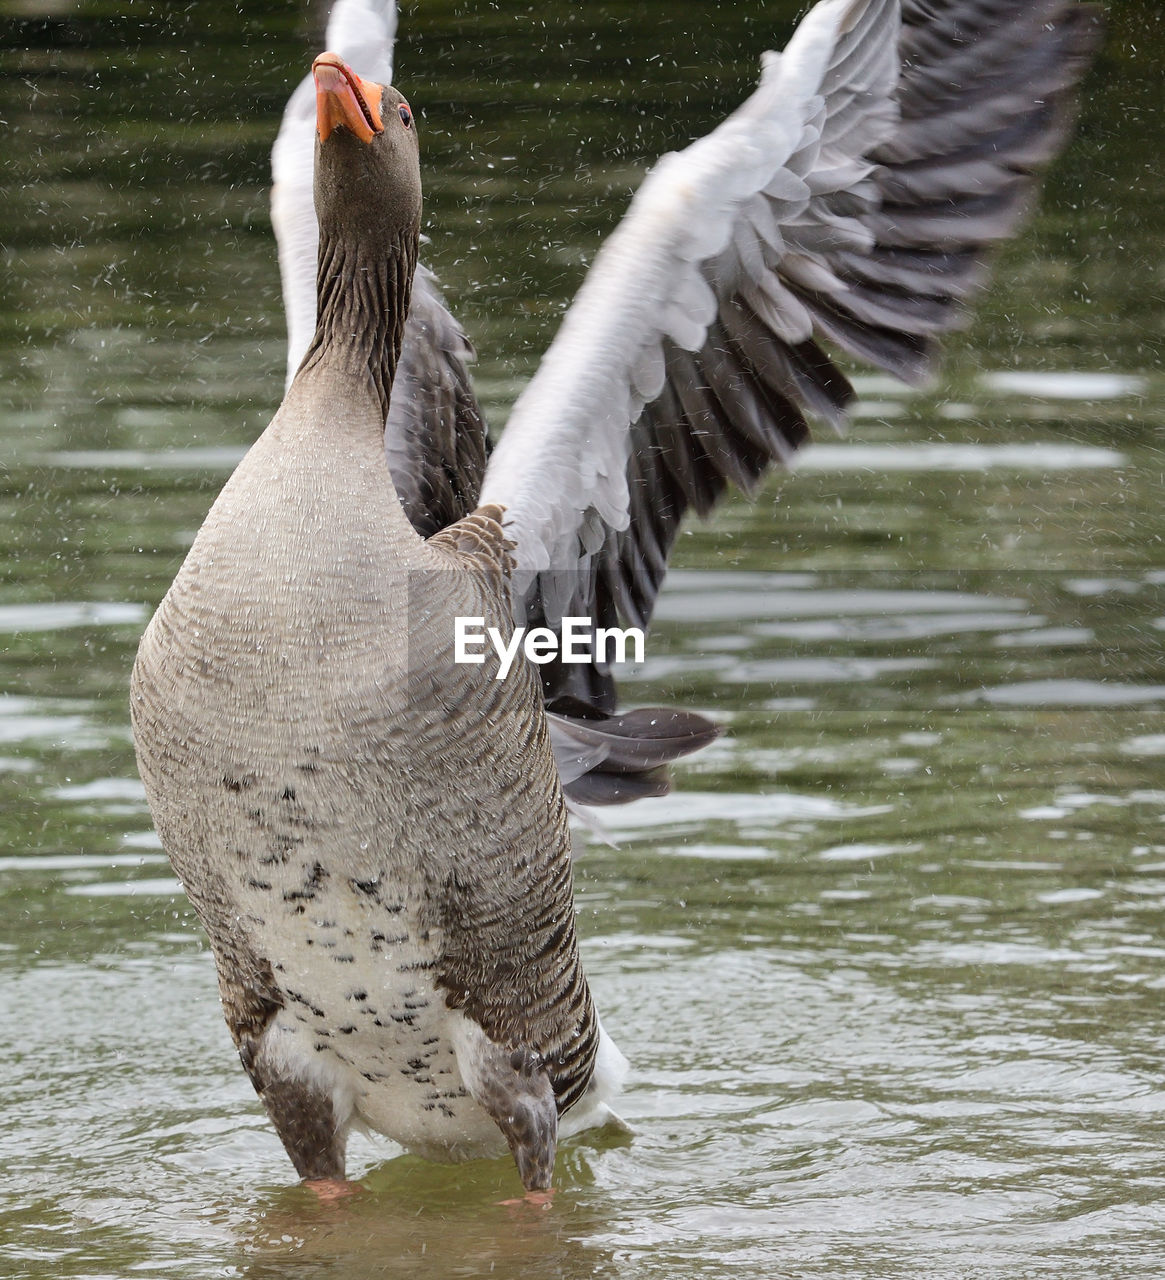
406	115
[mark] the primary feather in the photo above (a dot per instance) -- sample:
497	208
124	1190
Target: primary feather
852	200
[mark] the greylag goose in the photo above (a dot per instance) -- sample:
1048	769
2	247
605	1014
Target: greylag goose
373	833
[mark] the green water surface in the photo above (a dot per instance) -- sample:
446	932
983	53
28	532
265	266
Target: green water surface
888	963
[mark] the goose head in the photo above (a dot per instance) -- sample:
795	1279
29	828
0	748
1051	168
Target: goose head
368	169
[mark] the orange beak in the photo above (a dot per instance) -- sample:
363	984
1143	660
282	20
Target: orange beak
343	99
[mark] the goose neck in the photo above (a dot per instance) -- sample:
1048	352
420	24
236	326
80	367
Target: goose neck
363	298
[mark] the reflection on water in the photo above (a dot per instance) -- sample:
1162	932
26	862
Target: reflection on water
887	964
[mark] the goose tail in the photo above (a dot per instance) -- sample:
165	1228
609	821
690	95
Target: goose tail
612	759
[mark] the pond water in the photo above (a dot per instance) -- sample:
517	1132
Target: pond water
888	963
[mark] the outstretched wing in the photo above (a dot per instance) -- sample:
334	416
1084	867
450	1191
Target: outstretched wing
435	436
853	198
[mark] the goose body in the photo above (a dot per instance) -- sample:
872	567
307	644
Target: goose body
374	837
374	834
295	785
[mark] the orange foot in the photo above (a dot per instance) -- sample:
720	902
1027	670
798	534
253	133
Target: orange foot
329	1190
535	1199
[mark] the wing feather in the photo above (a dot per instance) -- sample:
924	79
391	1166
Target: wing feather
852	199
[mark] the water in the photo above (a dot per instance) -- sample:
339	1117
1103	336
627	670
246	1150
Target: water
889	962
